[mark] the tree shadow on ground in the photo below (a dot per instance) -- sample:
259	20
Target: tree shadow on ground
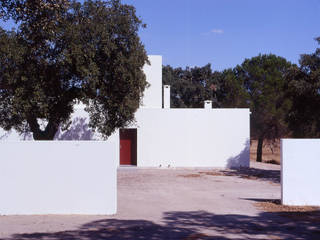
255	174
189	225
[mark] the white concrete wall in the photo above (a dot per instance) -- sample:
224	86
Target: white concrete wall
208	104
300	171
78	130
166	96
58	177
193	137
13	135
153	95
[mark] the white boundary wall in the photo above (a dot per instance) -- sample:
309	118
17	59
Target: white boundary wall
193	137
58	177
300	171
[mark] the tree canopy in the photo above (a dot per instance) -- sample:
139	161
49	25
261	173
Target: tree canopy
264	79
190	86
230	91
304	89
63	51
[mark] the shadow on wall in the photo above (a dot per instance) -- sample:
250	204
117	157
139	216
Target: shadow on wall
189	225
79	130
242	159
13	135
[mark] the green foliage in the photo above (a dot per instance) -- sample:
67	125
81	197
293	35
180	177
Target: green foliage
230	91
264	79
190	87
64	51
265	82
304	89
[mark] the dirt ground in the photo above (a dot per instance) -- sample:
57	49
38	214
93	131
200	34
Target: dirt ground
270	152
181	204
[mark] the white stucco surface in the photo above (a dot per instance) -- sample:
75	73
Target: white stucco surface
153	94
58	177
166	96
193	137
300	171
80	130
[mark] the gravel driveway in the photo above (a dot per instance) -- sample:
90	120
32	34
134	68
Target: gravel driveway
177	204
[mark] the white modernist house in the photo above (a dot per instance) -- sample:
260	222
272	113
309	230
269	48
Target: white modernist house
167	137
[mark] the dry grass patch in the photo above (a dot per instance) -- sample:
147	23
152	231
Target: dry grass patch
247	173
190	175
213	173
270	153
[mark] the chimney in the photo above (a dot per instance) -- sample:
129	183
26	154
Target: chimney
208	104
166	96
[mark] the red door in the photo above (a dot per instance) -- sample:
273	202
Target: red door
128	146
125	152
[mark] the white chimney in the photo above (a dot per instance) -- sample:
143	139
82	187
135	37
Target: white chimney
208	104
166	96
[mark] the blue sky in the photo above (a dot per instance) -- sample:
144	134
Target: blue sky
225	32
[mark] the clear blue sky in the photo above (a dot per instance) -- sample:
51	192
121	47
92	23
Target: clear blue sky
225	32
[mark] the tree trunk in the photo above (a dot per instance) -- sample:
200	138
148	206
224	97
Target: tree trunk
47	134
259	149
43	135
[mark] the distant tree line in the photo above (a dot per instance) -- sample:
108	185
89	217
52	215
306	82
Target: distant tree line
284	98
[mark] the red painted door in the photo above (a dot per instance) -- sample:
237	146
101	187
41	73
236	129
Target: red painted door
128	146
125	151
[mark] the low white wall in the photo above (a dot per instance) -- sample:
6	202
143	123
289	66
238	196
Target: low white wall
193	137
300	171
78	131
58	177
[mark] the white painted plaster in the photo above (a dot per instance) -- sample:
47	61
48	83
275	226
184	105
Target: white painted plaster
208	104
13	135
58	177
193	137
78	130
153	94
166	96
300	167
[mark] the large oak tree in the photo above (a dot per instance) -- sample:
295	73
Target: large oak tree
63	51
